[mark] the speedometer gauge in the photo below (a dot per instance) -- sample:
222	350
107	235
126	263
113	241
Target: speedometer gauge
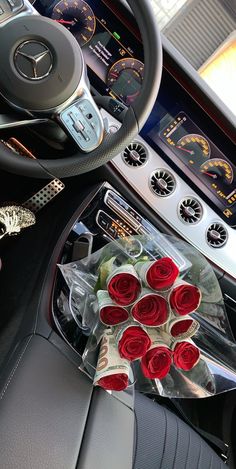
190	142
125	79
218	170
78	17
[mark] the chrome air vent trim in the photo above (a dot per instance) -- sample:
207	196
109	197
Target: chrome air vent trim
190	211
135	155
217	235
162	183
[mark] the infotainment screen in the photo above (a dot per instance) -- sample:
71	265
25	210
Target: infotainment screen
200	160
113	55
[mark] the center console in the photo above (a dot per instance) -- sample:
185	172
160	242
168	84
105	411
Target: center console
107	217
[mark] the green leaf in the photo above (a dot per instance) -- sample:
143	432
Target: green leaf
104	271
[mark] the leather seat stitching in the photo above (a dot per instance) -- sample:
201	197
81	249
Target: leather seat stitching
15	368
165	438
189	444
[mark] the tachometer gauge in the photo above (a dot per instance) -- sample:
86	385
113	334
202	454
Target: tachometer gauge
125	79
190	143
78	17
218	170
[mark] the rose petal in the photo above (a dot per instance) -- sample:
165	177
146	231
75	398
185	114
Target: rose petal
113	315
116	382
124	288
181	327
157	362
162	274
186	355
151	310
185	299
134	343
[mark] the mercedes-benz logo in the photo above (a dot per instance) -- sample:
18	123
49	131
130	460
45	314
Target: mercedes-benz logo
33	60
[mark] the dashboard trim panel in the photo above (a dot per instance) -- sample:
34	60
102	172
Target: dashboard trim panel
167	207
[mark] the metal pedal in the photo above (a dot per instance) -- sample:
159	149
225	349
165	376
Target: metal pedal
44	196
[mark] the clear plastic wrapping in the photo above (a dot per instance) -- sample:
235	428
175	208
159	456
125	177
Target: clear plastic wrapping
206	328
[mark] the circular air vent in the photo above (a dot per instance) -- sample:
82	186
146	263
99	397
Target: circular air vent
135	155
217	235
190	211
162	183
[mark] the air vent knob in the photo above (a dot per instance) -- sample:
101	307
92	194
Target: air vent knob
189	212
214	235
162	183
134	155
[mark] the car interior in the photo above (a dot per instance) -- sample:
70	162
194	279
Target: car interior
116	120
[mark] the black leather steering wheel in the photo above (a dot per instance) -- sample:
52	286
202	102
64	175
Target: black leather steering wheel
58	89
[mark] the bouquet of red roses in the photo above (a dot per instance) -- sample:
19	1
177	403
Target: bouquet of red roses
147	308
151	322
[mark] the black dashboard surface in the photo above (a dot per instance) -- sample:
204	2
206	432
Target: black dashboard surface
178	129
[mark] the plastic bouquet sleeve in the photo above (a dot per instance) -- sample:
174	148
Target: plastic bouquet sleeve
149	314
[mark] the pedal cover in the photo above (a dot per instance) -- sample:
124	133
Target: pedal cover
44	196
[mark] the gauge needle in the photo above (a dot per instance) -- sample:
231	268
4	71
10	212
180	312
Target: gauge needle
191	152
65	22
214	176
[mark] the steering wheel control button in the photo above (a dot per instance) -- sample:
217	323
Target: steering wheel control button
83	122
41	67
33	60
8	8
113	129
15	5
116	108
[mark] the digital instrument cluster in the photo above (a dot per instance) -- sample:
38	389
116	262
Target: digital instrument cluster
113	55
196	155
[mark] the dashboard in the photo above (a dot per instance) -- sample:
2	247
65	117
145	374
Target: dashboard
182	148
113	55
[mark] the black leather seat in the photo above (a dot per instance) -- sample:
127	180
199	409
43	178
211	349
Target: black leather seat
164	441
51	417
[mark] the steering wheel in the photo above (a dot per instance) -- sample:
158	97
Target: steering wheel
43	77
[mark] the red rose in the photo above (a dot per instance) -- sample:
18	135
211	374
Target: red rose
113	315
157	362
116	382
151	310
185	299
124	288
186	355
181	327
162	274
134	343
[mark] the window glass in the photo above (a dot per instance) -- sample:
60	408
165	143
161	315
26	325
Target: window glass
204	31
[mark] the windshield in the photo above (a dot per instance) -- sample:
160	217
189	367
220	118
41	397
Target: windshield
204	31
